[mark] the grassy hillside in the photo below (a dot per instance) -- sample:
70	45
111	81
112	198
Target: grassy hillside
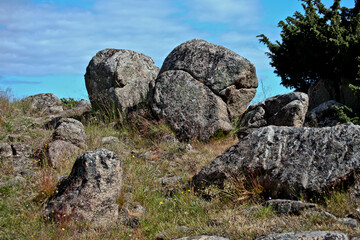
156	178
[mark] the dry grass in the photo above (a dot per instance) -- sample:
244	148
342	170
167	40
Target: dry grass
172	210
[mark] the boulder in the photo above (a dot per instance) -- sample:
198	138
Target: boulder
90	192
323	115
70	130
190	107
5	150
118	79
323	91
225	78
82	108
310	235
61	151
110	140
282	110
44	103
288	161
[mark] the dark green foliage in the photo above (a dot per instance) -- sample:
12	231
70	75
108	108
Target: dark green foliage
69	102
322	43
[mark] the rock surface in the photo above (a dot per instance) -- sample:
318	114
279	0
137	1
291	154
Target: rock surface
323	115
201	74
282	110
91	190
311	235
119	78
285	206
190	107
70	130
44	103
289	160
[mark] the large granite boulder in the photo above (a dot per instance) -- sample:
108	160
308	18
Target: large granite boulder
90	192
189	106
288	161
213	70
282	110
310	235
118	78
324	115
44	103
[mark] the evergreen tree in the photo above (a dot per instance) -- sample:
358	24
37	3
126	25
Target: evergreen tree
323	43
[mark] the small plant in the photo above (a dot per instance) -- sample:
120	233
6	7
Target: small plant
69	102
9	127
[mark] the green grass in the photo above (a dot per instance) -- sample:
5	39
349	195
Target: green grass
171	211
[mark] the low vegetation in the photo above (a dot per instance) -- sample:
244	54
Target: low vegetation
172	209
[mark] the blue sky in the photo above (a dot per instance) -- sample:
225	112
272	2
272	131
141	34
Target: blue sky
45	45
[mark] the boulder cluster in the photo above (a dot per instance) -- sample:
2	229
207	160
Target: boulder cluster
285	146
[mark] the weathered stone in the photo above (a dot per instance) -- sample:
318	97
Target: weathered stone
282	110
190	108
44	103
21	149
110	140
119	79
91	190
289	160
311	235
323	91
61	151
285	206
216	66
203	237
70	130
78	112
237	100
5	150
323	115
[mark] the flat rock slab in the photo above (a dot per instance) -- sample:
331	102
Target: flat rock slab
287	160
285	206
311	235
91	190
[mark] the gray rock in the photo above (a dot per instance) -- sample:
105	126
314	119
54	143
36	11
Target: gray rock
21	150
224	72
310	235
169	180
70	130
16	180
5	150
60	151
282	110
203	237
91	190
110	140
190	108
289	160
78	112
218	67
323	115
284	206
119	79
323	91
44	103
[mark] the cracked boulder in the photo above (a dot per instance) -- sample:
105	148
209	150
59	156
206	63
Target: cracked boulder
118	79
210	85
281	110
90	192
290	161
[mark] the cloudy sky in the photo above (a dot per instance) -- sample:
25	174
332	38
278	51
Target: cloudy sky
45	45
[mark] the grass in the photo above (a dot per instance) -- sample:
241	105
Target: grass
172	210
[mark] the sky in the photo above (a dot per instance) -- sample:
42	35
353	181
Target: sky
46	45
